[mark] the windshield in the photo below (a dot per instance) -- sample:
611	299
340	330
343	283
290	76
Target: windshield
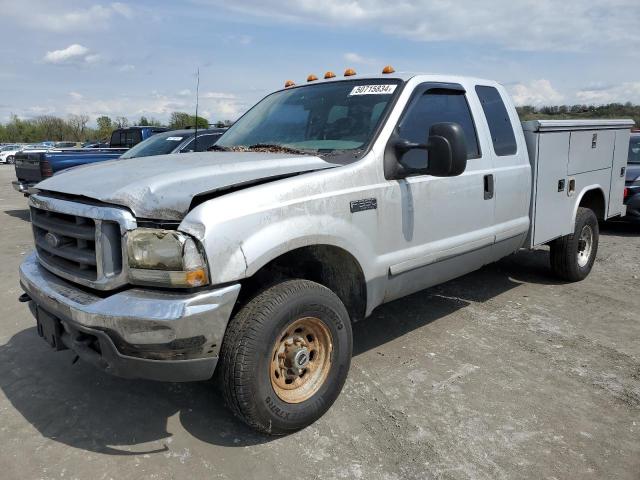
158	144
325	118
634	149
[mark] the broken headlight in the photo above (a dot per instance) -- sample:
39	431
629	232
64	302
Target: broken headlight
165	258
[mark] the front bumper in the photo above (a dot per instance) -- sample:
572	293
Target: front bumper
135	333
23	187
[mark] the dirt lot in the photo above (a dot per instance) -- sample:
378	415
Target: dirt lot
504	373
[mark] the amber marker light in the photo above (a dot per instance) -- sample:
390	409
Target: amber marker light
349	72
388	69
312	78
329	75
289	83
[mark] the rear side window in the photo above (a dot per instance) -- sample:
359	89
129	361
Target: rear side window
436	106
504	141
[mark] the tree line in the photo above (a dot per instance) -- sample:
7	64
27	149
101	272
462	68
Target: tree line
561	112
76	127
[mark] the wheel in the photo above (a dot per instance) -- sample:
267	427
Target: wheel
10	159
572	256
285	356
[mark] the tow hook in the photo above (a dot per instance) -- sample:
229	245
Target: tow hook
24	298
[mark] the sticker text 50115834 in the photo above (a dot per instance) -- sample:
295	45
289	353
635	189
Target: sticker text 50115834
373	90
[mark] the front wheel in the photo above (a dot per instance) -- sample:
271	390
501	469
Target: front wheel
572	256
10	159
285	356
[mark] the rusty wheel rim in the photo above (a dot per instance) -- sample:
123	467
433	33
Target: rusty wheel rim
301	360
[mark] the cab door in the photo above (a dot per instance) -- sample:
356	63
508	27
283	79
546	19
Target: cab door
437	228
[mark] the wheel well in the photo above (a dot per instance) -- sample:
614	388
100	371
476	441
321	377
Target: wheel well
594	200
327	265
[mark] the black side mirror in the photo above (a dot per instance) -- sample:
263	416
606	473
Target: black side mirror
447	149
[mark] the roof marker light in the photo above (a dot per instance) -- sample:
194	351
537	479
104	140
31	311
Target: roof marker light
289	83
312	78
388	69
329	75
349	72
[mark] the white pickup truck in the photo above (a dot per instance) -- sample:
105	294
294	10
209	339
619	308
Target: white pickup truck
321	203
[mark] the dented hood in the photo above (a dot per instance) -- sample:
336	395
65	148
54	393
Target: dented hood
162	187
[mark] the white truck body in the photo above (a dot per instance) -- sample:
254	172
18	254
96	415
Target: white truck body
366	224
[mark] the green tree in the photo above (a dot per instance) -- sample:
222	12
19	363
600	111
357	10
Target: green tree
184	120
105	127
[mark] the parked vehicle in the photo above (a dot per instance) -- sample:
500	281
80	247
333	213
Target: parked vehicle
632	190
323	202
32	167
176	141
67	145
8	153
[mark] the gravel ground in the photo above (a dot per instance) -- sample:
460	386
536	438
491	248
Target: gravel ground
504	373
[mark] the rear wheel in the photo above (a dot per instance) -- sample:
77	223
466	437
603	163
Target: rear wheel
10	159
285	356
572	256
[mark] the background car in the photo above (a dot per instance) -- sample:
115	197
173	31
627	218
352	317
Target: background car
176	141
632	183
8	153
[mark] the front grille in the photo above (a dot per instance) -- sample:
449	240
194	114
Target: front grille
67	242
81	242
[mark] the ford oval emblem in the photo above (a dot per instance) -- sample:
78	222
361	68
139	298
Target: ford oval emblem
52	239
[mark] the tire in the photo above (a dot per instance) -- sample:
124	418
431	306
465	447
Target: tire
10	159
257	351
572	256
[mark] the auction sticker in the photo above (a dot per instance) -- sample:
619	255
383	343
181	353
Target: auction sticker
379	89
174	139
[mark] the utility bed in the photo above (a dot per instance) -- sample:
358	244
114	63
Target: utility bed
566	156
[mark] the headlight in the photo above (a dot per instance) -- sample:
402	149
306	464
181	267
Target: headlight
165	258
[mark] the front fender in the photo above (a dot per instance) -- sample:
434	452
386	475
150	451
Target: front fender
238	248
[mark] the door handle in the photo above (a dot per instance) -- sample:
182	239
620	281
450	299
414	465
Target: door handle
488	187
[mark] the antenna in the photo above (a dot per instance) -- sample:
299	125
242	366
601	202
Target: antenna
195	138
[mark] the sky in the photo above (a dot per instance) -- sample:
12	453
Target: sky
139	58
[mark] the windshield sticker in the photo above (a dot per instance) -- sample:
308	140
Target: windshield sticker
373	90
174	139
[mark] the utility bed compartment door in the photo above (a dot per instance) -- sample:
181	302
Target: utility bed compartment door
553	208
590	150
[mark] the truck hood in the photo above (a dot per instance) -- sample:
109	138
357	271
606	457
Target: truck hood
163	187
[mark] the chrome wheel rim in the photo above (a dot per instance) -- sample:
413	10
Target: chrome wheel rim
301	360
585	245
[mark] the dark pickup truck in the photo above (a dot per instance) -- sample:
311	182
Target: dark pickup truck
34	166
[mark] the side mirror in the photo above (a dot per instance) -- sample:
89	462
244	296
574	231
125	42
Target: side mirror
447	149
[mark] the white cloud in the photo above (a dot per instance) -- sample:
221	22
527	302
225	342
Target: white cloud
218	95
536	93
184	93
126	68
356	58
93	58
624	92
75	96
47	15
516	25
72	53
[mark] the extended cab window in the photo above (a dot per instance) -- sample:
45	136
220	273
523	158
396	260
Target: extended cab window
436	106
504	141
